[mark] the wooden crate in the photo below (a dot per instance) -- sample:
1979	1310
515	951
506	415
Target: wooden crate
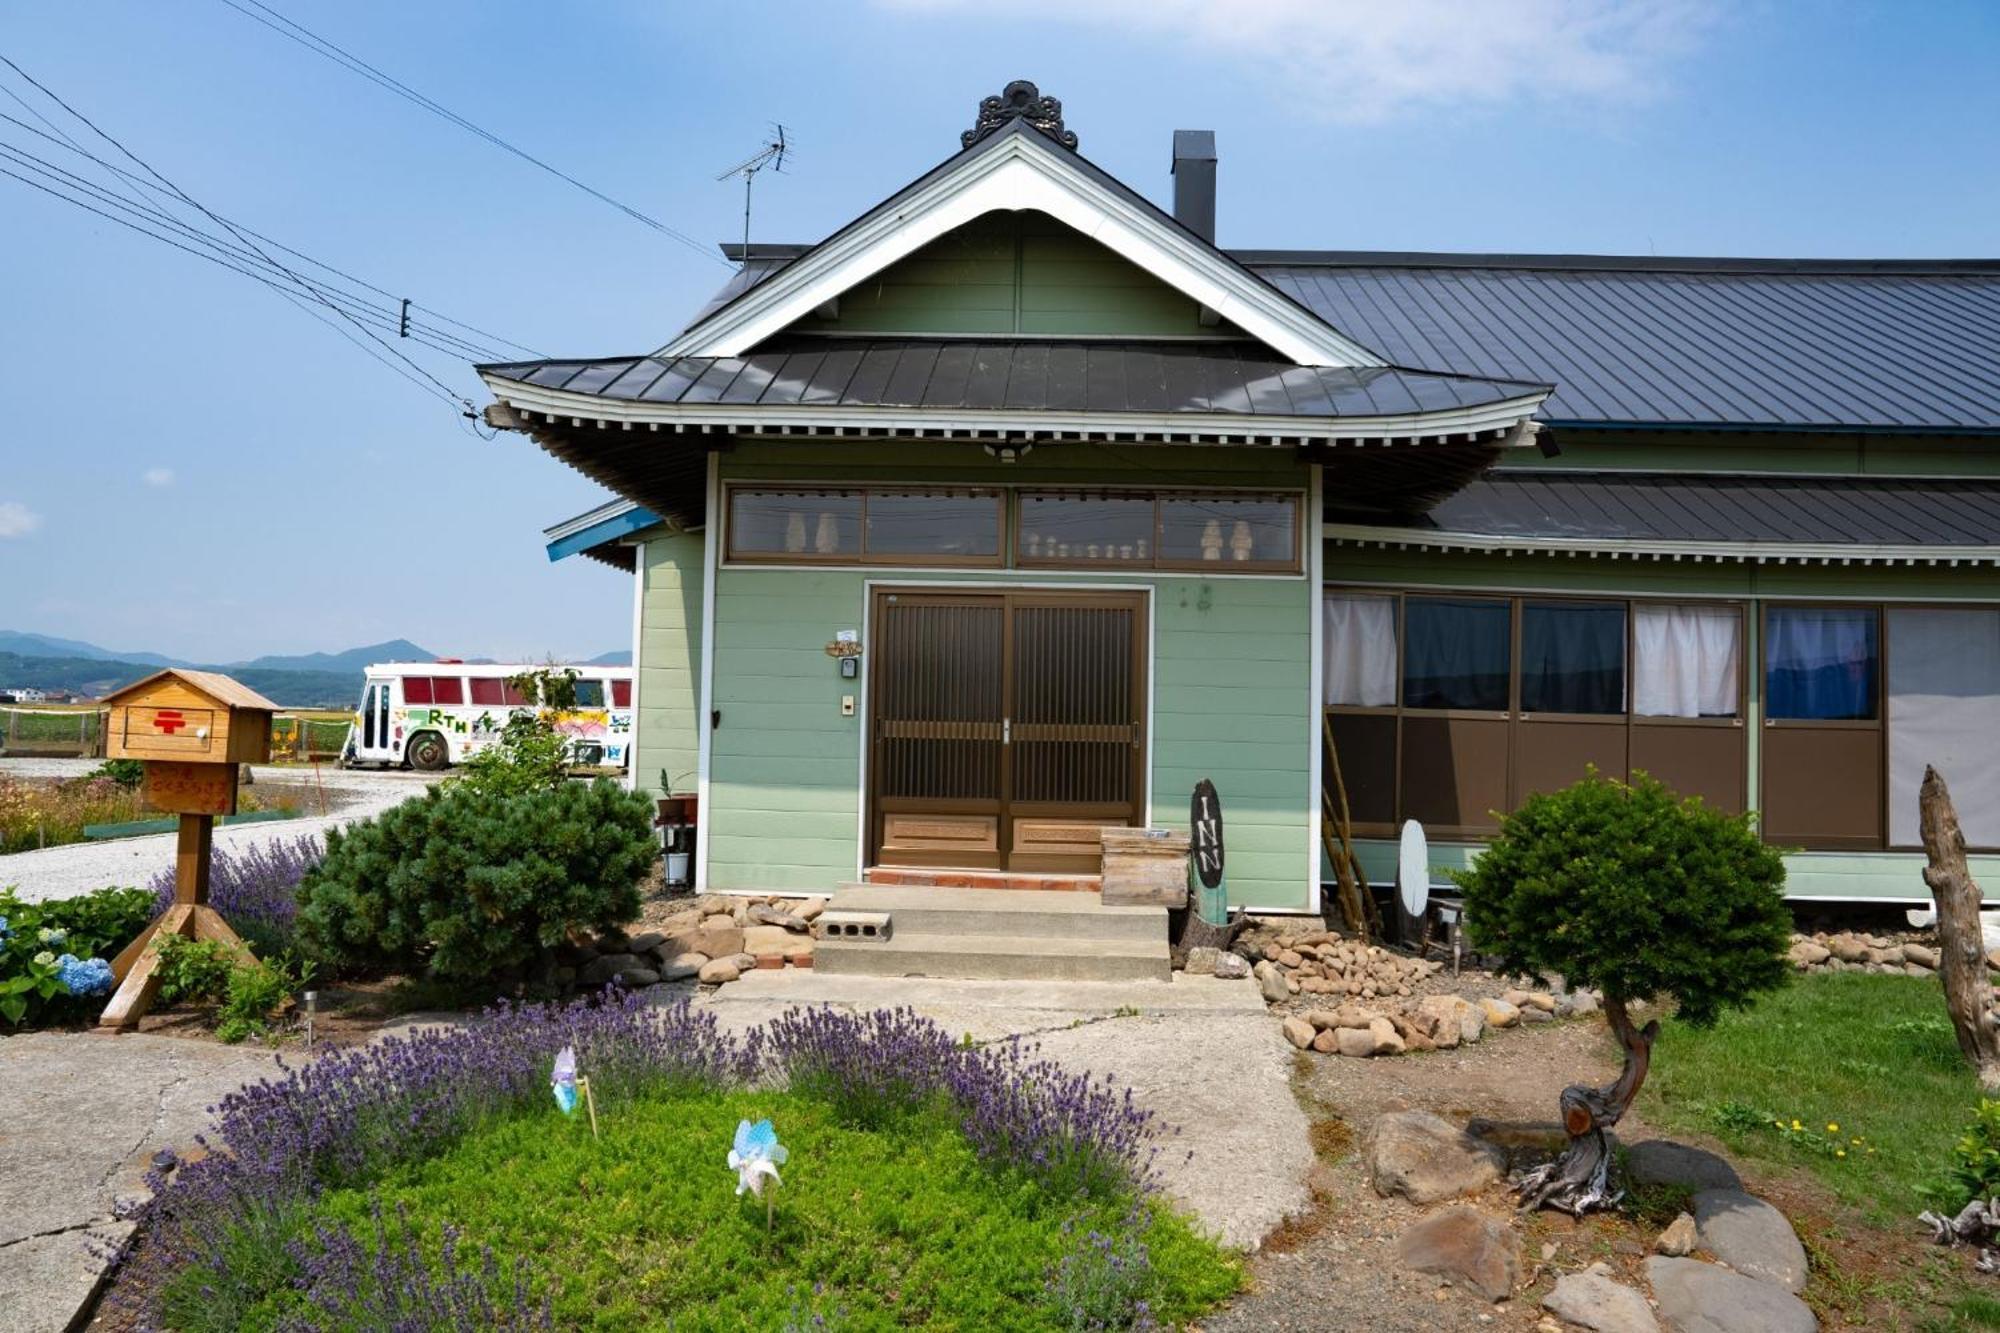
1145	868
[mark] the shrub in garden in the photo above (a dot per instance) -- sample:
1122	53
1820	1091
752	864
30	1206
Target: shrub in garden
471	886
36	814
1975	1166
255	888
1630	890
529	755
54	956
190	969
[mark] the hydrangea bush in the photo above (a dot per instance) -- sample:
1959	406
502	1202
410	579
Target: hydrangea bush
224	1231
54	956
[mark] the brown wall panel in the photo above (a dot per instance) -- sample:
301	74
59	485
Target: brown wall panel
1823	786
1549	756
1455	772
1695	761
1367	746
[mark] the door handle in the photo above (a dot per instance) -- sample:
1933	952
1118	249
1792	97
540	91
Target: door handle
1006	731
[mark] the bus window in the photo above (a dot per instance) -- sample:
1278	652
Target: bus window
447	690
621	694
489	691
590	694
417	689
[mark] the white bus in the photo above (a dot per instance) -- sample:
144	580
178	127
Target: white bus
431	715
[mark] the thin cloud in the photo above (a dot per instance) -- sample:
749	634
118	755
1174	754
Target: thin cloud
159	476
17	520
1368	61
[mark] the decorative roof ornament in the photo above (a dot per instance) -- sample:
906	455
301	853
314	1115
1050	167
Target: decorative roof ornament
1020	100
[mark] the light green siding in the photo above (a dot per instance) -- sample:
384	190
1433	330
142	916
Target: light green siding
1230	672
1014	273
669	662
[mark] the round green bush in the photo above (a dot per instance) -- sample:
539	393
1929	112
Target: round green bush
1628	889
469	885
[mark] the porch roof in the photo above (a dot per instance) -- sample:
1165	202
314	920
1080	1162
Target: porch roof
1058	386
1711	517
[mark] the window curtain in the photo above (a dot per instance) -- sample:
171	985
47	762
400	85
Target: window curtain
1360	651
1572	658
1820	664
1686	660
1944	710
1456	653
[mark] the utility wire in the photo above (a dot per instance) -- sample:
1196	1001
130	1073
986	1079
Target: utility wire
244	262
309	288
312	41
486	352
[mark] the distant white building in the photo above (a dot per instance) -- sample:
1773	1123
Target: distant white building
26	694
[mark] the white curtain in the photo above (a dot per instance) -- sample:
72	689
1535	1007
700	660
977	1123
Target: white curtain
1360	650
1686	660
1944	710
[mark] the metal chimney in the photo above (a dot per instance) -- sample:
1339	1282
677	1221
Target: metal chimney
1194	182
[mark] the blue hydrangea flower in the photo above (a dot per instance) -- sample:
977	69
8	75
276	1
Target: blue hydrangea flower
5	930
83	976
52	937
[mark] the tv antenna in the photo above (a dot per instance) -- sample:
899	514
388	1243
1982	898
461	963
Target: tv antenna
771	155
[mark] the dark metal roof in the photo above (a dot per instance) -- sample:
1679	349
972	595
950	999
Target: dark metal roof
1194	377
1651	341
1788	344
1524	506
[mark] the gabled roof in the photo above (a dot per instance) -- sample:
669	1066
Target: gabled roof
1682	516
224	690
1018	167
1663	342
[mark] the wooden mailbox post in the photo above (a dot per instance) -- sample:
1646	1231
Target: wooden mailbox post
191	729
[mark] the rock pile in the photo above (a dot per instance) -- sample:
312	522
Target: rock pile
1325	962
1856	951
1423	1023
713	939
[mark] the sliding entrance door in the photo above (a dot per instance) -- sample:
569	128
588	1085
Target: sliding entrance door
1006	728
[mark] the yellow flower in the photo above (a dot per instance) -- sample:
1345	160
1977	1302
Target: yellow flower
1840	1152
1832	1128
1797	1125
1855	1142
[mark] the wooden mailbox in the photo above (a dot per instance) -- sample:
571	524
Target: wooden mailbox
191	729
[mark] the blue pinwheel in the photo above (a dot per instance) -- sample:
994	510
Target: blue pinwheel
756	1157
563	1080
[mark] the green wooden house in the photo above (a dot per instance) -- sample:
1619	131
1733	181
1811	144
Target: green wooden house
1017	506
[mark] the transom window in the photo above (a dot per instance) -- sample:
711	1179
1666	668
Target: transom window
1219	531
852	526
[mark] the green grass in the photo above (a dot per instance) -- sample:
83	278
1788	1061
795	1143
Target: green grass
1874	1055
643	1229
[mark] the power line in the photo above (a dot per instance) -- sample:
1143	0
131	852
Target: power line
309	288
296	32
484	353
246	263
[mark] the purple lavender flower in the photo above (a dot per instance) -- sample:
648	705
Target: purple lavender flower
254	887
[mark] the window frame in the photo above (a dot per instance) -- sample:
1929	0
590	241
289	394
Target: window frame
1513	716
1882	650
862	556
1157	561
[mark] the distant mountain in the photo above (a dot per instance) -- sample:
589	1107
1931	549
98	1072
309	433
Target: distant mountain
354	659
96	677
43	645
623	657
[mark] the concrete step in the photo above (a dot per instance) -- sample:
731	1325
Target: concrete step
992	957
972	913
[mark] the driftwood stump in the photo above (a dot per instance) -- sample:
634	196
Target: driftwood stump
1961	944
1580	1179
1357	907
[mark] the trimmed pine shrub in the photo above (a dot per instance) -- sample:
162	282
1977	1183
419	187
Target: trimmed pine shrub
470	886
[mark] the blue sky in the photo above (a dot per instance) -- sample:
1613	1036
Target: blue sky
191	465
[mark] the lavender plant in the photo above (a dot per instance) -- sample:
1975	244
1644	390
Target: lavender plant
350	1287
1103	1279
254	887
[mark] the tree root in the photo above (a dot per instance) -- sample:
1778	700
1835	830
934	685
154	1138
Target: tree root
1579	1181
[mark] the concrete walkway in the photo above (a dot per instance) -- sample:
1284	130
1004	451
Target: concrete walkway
81	1114
79	868
80	1118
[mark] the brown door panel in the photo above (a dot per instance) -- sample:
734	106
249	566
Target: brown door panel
1708	762
1823	786
1454	772
1550	755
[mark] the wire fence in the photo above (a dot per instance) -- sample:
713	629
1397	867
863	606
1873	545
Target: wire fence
78	733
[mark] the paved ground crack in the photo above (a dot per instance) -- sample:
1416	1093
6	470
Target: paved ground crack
54	1231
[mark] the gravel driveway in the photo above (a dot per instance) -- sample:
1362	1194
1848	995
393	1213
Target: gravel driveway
65	872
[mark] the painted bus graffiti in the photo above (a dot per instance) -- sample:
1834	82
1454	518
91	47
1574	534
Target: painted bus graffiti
432	715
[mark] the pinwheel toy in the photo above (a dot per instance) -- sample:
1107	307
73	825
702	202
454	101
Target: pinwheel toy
755	1159
563	1080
